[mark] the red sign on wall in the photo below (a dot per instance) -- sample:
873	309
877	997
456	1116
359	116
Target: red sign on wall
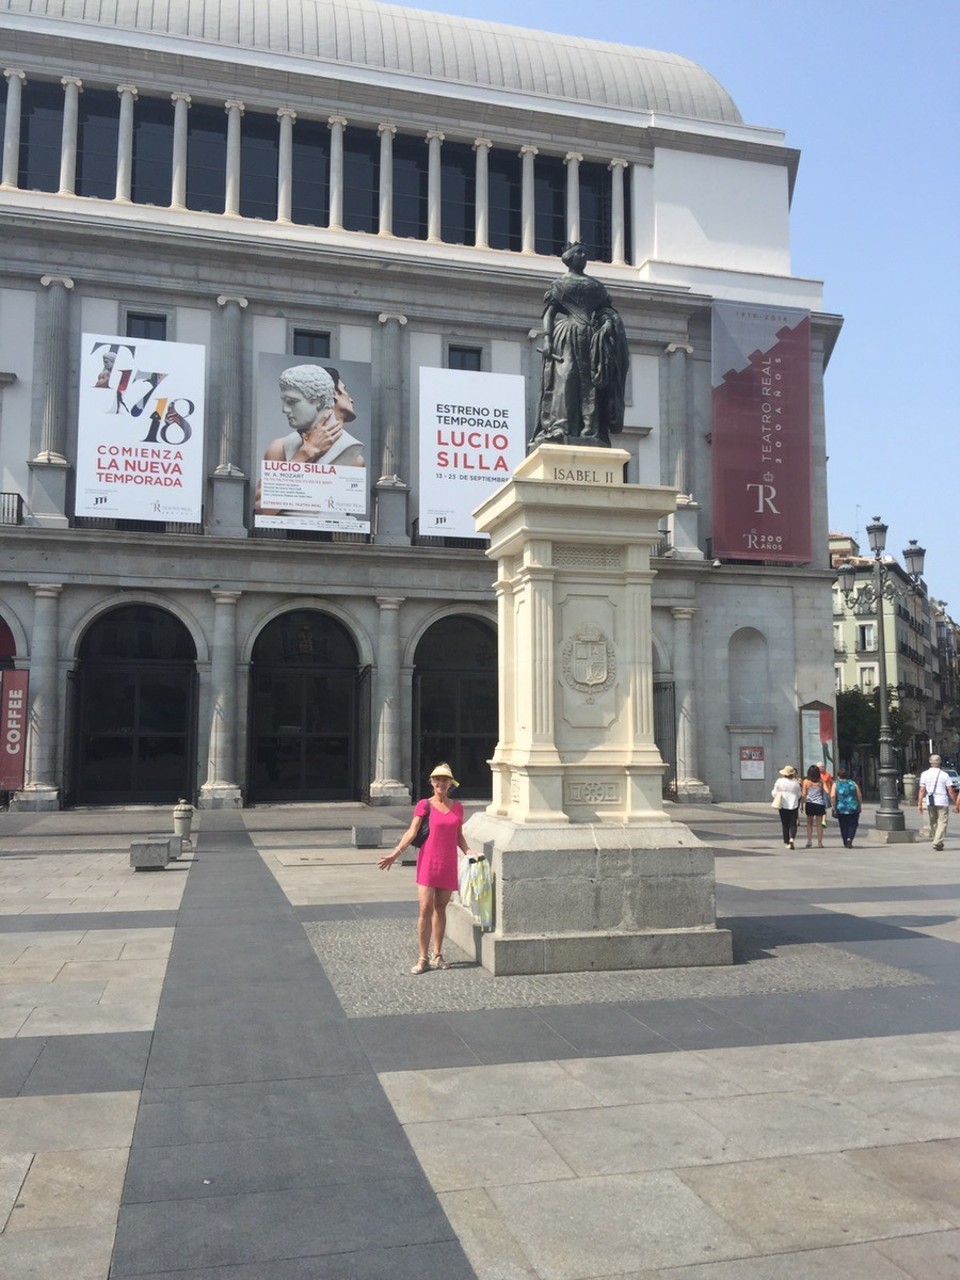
762	472
13	728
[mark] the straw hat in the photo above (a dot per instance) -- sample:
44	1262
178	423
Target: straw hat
444	771
788	771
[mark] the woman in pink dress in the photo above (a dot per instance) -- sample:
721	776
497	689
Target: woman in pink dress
436	864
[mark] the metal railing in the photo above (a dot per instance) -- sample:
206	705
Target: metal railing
11	508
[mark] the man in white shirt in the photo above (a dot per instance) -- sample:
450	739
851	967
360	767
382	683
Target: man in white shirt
935	796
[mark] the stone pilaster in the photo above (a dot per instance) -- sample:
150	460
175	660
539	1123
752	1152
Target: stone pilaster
11	127
690	789
618	238
128	96
387	133
178	179
528	206
572	161
68	137
221	789
41	790
231	195
386	787
229	480
434	219
481	202
337	125
47	501
684	530
287	120
391	491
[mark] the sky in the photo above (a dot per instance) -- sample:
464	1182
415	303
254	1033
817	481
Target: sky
868	92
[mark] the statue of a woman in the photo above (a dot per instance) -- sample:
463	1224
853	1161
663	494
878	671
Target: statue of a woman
585	360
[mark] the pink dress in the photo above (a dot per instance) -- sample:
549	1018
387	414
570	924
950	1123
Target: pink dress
437	857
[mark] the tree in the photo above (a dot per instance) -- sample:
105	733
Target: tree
858	720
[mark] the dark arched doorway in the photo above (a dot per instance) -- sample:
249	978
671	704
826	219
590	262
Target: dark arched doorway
305	694
455	704
134	710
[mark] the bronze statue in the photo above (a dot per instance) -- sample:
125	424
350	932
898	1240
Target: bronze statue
585	360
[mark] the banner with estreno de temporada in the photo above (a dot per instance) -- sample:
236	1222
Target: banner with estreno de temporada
472	436
140	429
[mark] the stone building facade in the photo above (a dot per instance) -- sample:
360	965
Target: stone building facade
364	185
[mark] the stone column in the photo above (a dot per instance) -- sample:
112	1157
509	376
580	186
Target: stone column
618	239
690	790
68	138
386	787
434	212
287	119
229	480
684	522
221	790
481	203
11	128
231	198
337	125
128	96
178	184
386	132
391	491
49	470
572	161
41	789
528	233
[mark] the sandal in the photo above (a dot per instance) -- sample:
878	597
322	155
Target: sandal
439	962
422	966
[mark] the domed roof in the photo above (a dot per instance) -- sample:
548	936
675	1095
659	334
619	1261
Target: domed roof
460	50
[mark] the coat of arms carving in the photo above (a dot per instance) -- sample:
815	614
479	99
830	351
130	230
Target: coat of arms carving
589	661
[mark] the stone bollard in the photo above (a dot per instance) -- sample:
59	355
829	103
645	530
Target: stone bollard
911	788
182	818
366	837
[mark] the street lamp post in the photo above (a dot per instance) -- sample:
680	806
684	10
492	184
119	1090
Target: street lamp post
890	815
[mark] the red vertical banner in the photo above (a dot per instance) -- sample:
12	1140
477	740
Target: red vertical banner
13	728
762	472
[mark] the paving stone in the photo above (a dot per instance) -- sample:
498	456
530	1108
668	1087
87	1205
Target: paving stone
657	1077
70	1189
777	1124
493	1251
847	1262
920	1109
925	1257
458	1094
80	1253
457	1155
629	1139
930	1170
631	1221
810	1201
69	1122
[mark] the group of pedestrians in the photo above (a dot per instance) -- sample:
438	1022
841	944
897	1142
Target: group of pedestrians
817	792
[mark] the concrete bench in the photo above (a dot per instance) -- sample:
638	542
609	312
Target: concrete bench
152	853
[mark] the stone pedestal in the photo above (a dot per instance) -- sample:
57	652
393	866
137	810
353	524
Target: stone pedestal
589	871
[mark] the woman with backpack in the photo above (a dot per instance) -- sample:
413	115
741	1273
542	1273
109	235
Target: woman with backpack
847	802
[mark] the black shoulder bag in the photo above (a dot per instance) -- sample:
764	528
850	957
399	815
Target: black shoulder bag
422	831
